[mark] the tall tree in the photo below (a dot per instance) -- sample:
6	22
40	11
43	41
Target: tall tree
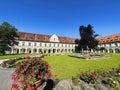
87	37
7	37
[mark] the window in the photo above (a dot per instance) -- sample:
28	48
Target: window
34	44
110	44
45	44
105	45
23	43
29	44
40	44
116	44
65	45
50	45
69	45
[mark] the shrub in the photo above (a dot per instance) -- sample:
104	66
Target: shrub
88	77
29	72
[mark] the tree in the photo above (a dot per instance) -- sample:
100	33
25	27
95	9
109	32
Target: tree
7	37
87	39
76	47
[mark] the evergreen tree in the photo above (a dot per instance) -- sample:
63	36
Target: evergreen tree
87	38
7	37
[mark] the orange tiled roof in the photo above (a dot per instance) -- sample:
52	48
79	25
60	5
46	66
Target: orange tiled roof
111	38
67	40
43	38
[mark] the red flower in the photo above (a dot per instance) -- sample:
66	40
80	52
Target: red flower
28	76
93	76
14	86
17	68
14	77
25	69
49	74
29	86
22	81
34	69
27	57
39	76
33	73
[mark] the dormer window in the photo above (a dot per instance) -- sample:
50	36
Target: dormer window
54	38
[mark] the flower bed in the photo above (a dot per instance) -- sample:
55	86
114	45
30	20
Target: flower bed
29	72
111	78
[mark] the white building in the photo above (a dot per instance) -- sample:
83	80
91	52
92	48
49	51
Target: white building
110	44
37	43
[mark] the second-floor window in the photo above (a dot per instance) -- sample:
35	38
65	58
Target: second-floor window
23	43
116	44
34	44
40	44
50	45
45	44
29	44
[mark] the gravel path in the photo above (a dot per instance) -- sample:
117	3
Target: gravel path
5	79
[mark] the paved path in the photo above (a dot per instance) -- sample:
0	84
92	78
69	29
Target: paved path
5	79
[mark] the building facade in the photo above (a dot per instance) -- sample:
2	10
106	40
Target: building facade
110	44
38	43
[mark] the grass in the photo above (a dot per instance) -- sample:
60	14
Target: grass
16	55
66	67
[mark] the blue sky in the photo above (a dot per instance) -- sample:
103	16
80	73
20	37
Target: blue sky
62	17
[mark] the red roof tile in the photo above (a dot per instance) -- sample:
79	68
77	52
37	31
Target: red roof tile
42	38
111	38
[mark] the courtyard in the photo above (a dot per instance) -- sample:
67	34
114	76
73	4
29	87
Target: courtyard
65	66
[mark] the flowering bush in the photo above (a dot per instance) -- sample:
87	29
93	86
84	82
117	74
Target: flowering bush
29	72
27	57
88	77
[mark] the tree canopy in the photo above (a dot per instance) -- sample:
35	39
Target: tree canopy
87	37
7	37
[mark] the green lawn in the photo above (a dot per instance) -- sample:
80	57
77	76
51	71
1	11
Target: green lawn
66	67
16	55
